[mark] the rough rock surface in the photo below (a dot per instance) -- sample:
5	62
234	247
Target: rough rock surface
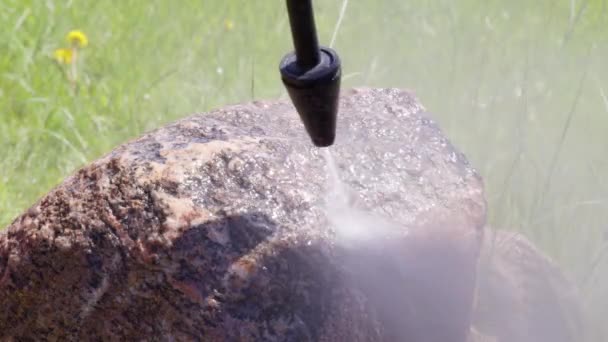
216	228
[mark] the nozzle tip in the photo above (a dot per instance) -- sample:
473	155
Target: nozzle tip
314	93
324	141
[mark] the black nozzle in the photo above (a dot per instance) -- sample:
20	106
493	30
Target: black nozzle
311	76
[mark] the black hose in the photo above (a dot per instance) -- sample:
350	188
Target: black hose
304	32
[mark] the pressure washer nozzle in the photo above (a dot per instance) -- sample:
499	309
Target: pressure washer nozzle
315	93
312	76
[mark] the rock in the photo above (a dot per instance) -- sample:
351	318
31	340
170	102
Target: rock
523	296
219	228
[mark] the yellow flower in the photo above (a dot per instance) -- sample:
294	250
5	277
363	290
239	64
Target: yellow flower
63	56
228	25
77	38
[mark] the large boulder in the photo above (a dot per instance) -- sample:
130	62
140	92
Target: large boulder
223	227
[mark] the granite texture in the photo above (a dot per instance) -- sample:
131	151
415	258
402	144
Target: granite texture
216	228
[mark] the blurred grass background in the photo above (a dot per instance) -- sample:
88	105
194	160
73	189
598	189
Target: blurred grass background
520	86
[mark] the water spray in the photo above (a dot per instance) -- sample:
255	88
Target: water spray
311	75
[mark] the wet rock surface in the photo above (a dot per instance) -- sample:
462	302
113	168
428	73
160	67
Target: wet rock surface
216	228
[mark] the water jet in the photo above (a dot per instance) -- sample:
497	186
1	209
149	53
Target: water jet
210	228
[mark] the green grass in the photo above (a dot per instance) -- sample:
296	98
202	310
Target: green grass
520	86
